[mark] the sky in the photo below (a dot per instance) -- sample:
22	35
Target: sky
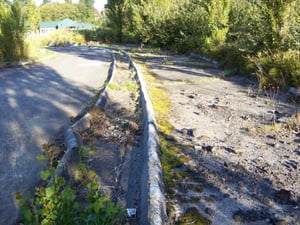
99	4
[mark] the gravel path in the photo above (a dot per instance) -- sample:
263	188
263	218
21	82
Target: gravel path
240	149
36	102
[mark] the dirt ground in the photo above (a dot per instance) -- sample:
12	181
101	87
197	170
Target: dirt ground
242	146
115	137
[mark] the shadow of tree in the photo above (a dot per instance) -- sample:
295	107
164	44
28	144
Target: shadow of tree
36	103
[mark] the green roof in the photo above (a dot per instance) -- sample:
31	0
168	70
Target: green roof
66	23
49	24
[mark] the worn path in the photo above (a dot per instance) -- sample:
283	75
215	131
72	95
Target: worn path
234	152
36	102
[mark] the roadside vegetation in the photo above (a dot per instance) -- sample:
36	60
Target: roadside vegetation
64	200
253	37
257	37
19	23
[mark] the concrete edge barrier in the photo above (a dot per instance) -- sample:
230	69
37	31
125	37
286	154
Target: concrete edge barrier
157	214
156	200
71	137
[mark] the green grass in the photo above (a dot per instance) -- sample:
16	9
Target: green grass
192	216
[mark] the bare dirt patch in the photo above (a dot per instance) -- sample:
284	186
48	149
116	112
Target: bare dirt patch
240	148
115	137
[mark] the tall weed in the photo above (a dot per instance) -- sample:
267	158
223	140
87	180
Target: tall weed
280	69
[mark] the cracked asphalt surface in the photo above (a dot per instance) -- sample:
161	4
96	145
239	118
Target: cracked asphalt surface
36	102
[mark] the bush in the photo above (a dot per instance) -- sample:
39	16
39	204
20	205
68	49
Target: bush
76	201
11	32
61	37
280	69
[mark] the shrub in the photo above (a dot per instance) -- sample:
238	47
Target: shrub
78	200
61	37
279	69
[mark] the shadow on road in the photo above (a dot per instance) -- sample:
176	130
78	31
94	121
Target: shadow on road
36	102
96	53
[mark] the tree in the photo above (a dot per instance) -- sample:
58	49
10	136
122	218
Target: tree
11	31
31	14
86	13
218	20
59	11
116	12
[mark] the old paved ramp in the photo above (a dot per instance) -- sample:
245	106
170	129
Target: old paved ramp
35	103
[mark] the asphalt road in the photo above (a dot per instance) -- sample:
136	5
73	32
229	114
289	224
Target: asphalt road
36	102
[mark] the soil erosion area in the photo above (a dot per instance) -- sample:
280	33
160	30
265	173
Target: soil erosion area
239	150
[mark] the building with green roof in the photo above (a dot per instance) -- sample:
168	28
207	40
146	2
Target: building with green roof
65	24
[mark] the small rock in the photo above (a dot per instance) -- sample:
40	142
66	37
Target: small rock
271	136
284	120
188	132
212	106
283	196
207	148
277	145
198	148
271	144
293	91
208	211
170	138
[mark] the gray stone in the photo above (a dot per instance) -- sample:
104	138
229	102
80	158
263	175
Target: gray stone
293	91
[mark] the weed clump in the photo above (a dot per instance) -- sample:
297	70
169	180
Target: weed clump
192	216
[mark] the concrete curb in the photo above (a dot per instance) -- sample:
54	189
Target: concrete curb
72	135
156	204
157	214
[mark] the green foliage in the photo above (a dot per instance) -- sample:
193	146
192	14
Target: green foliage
233	32
58	11
103	35
55	11
61	37
117	14
31	14
193	216
11	31
218	20
278	69
74	202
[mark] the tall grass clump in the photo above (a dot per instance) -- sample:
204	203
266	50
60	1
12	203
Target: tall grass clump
63	37
280	69
11	32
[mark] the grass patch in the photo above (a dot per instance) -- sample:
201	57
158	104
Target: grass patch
113	86
271	128
130	86
192	216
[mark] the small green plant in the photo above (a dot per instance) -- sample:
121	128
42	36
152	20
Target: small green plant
271	128
76	201
272	95
113	86
130	86
192	216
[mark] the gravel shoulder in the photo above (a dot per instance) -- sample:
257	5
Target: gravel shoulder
241	148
